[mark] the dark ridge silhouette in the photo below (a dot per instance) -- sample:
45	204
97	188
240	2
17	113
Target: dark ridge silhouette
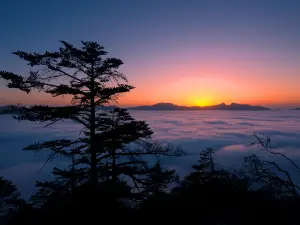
222	106
296	109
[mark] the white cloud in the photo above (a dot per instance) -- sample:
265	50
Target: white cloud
230	133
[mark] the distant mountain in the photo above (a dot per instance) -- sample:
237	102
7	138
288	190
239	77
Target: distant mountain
165	106
170	106
296	109
235	106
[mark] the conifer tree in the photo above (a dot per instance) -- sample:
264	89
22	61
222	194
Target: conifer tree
94	82
9	198
85	73
206	169
159	178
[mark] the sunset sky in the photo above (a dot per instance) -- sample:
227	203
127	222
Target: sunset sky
188	52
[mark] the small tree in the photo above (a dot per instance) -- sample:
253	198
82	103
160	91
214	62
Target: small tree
158	179
9	198
206	170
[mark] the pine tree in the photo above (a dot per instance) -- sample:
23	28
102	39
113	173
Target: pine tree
158	179
106	151
205	171
9	199
156	195
92	80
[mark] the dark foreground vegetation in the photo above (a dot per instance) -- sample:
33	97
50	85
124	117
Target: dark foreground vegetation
208	195
114	173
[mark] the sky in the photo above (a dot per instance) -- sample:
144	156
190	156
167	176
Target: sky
188	52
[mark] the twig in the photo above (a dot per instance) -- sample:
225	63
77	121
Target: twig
269	149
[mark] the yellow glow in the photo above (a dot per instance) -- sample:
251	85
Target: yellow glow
201	101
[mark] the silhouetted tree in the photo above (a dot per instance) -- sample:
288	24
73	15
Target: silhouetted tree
94	82
156	193
113	148
206	170
65	183
85	74
116	162
9	194
210	190
269	176
158	179
10	201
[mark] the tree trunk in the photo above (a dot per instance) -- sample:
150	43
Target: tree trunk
94	175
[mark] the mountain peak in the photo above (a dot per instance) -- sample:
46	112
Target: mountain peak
164	104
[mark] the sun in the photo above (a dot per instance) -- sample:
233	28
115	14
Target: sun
202	101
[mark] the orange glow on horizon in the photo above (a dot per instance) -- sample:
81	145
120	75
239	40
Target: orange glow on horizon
193	83
138	97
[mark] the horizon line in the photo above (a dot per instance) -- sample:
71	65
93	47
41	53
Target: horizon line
271	106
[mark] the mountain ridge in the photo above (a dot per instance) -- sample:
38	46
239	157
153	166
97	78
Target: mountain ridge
222	106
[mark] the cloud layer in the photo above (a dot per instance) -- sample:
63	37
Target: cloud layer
230	133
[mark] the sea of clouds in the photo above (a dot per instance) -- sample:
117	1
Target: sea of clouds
229	132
